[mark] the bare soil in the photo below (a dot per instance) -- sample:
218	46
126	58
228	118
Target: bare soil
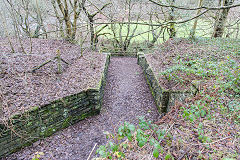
126	97
22	89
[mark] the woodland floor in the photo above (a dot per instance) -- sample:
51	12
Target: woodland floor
22	89
126	97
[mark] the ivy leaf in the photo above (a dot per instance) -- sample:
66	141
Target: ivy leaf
168	156
120	137
203	113
129	137
131	127
115	148
208	139
141	143
157	145
122	154
120	130
152	141
125	146
155	153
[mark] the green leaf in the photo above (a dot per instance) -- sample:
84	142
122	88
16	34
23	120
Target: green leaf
168	156
120	130
131	127
121	154
203	113
152	141
120	137
208	139
155	153
141	143
129	138
125	146
102	151
111	144
192	117
157	145
115	148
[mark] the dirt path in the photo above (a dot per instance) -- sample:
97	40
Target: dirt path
127	96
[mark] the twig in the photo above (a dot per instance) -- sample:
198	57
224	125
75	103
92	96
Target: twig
92	151
212	142
181	157
58	58
167	132
36	68
64	61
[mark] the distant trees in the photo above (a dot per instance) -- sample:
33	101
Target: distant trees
222	12
82	21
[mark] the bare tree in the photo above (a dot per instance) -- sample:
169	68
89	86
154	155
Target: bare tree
124	32
91	18
39	19
221	19
193	31
67	12
172	30
14	15
2	16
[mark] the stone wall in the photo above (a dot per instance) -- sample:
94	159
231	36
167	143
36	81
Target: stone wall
164	99
23	129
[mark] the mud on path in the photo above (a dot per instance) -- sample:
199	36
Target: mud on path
126	97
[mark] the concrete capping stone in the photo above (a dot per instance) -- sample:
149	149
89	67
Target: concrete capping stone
163	98
42	121
124	54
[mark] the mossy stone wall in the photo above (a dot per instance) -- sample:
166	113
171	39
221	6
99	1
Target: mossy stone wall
23	129
164	99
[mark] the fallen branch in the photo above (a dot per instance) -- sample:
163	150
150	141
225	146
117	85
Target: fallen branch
92	152
58	58
43	64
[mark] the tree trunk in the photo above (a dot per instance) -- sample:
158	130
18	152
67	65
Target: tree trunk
193	31
221	19
92	33
171	18
66	17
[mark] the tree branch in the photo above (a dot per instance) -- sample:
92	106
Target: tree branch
195	8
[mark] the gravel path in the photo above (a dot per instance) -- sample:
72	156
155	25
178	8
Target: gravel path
127	96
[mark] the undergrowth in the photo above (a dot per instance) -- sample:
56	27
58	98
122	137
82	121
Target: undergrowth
199	129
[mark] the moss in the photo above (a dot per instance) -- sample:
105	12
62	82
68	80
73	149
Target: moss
67	122
49	131
34	109
83	116
29	123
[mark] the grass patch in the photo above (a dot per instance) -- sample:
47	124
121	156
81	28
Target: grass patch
204	29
